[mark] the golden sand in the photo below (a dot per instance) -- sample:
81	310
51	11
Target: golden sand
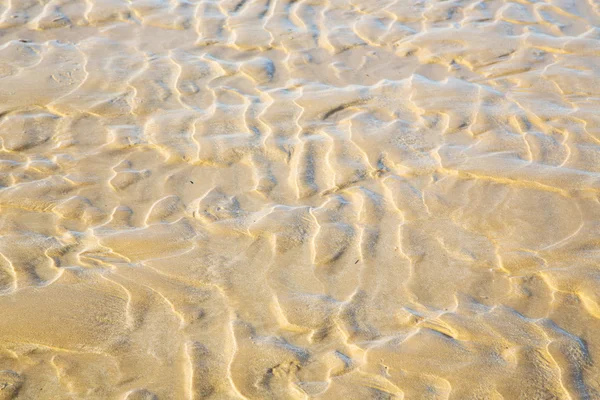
300	199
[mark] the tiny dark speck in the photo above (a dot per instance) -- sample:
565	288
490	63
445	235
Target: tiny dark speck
192	182
356	261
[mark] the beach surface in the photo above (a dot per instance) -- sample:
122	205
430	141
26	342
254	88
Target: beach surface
300	199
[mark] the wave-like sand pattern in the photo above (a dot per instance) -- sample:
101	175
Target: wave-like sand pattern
299	199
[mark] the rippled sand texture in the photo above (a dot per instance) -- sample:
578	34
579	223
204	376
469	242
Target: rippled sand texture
299	199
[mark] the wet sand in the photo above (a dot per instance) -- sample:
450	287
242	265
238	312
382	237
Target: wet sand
299	199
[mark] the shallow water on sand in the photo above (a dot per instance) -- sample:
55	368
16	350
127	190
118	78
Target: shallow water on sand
299	199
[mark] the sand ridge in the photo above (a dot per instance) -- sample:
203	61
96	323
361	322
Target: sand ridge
299	199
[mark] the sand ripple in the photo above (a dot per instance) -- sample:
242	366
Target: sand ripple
298	199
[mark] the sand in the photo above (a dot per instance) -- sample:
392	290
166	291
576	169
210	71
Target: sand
299	199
